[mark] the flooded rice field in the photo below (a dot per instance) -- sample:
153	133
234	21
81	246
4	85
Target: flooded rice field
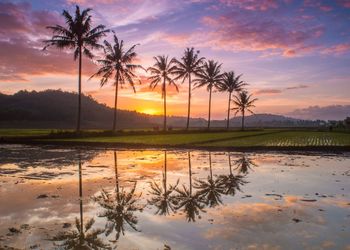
52	198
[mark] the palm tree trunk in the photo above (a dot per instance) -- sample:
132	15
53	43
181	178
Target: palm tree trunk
81	196
116	174
190	171
230	164
116	102
228	111
164	92
243	119
189	102
211	171
209	107
79	91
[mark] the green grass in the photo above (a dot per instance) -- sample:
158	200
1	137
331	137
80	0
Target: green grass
249	138
24	132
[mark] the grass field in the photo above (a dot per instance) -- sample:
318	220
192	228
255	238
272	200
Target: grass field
252	138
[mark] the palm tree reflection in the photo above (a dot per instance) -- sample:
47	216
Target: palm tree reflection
163	198
244	165
191	203
81	237
232	182
210	189
119	207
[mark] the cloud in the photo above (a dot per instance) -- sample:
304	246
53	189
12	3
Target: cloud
300	86
254	5
344	3
268	91
333	112
338	49
22	30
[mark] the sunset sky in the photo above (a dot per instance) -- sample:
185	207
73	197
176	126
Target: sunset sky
294	54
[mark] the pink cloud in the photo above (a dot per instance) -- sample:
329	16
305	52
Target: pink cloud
338	49
344	3
22	30
254	5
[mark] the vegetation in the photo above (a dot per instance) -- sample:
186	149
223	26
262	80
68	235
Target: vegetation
209	76
79	36
161	73
189	65
120	63
243	102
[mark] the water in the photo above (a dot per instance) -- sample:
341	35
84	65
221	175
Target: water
173	199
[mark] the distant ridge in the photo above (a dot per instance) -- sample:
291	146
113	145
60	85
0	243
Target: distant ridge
57	109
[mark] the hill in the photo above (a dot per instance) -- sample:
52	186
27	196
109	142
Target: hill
58	109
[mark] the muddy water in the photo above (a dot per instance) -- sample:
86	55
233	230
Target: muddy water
53	198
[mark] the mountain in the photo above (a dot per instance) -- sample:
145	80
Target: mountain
58	109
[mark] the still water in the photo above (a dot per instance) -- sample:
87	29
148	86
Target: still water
54	198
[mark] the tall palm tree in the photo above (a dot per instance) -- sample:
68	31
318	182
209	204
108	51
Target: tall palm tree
163	198
211	189
119	65
243	102
232	182
230	82
79	36
191	203
81	237
119	207
161	73
209	76
189	65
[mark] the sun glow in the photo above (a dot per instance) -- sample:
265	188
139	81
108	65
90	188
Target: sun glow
149	111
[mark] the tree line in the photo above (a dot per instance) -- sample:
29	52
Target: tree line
119	66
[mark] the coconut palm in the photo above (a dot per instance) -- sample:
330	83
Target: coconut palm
79	36
163	198
210	189
119	207
209	76
161	73
118	64
81	237
243	102
230	82
232	182
189	65
191	203
244	164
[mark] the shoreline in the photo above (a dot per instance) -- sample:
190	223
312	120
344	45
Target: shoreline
143	146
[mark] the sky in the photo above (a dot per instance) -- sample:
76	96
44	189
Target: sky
294	54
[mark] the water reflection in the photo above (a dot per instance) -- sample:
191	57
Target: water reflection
82	237
119	206
190	203
163	197
146	199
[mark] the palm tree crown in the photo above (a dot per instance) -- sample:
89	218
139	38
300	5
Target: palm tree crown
190	64
161	73
230	82
78	36
243	102
117	63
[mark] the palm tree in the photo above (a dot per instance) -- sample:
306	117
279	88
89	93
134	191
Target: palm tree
230	82
209	76
161	73
119	207
243	102
189	65
232	182
244	164
81	238
117	63
211	189
163	198
191	203
79	36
